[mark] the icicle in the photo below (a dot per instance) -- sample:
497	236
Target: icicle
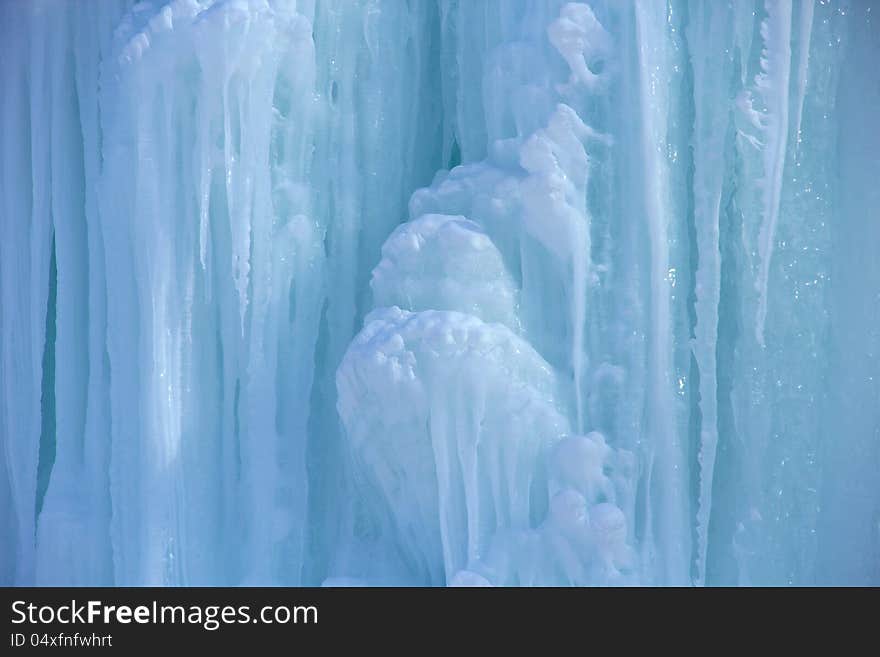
773	84
708	33
667	456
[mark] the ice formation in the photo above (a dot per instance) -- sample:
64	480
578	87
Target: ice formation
439	292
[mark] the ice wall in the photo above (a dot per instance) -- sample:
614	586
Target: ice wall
508	292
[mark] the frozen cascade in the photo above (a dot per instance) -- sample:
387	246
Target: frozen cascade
509	292
449	418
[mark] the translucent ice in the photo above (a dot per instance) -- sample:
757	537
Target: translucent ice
448	292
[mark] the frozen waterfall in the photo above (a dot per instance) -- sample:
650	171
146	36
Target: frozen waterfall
439	292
